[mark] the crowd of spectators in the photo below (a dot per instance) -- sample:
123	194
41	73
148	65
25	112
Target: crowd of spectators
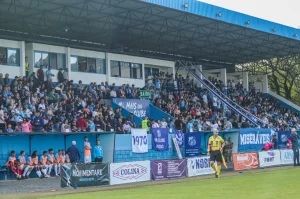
35	103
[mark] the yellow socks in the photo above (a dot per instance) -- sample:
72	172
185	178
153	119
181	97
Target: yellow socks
219	170
214	167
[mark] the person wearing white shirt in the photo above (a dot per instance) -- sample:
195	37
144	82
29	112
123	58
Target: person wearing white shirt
214	126
155	124
113	93
164	124
42	105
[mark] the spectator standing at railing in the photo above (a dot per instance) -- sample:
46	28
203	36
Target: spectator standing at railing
295	146
81	123
98	152
38	122
87	150
73	153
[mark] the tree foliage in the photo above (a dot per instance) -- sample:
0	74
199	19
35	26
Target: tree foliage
283	75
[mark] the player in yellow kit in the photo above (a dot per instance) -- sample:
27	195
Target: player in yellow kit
215	148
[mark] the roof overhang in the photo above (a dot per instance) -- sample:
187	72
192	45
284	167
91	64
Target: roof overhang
154	28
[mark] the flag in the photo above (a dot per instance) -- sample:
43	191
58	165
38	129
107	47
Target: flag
223	160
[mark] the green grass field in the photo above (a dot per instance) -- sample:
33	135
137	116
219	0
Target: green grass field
283	183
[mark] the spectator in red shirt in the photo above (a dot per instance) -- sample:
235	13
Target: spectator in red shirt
81	123
193	112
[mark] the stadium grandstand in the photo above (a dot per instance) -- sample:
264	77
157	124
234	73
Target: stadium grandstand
70	69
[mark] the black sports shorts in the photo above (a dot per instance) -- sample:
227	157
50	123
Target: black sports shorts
216	156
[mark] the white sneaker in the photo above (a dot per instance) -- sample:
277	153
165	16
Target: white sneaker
47	176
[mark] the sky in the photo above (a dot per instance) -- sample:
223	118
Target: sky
285	12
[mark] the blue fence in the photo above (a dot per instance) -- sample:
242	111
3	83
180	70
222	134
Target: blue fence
117	147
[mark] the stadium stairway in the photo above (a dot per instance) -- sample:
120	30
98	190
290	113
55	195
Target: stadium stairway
211	88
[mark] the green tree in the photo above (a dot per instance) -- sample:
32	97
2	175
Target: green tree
283	75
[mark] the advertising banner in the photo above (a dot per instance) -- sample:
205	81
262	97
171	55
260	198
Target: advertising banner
168	169
160	139
287	156
199	166
139	108
139	140
179	137
269	158
192	144
129	172
243	161
283	139
253	139
84	175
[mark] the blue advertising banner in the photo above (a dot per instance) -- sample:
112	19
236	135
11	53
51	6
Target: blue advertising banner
179	137
160	139
192	144
139	108
252	140
283	138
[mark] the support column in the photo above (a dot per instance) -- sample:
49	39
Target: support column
200	75
22	59
265	84
246	80
107	61
68	62
30	54
223	76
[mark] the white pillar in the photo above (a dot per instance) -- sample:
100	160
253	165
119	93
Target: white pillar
246	80
107	61
223	76
68	62
265	84
22	59
200	75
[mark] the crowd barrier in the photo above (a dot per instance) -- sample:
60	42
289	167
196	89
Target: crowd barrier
83	175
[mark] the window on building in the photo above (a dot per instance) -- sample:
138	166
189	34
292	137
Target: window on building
125	69
115	69
136	71
10	56
74	63
61	61
53	60
91	65
45	60
100	66
82	65
56	60
3	56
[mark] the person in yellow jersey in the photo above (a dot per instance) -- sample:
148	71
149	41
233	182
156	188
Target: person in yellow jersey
145	123
26	67
215	148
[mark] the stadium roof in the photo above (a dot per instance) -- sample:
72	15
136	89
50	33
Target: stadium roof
171	29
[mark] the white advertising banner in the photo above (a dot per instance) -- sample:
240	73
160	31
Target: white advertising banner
129	172
139	140
269	158
199	166
287	156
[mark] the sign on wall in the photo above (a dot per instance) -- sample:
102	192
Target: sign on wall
269	158
84	175
283	139
199	166
168	169
243	161
139	140
145	94
253	139
287	156
160	139
139	108
129	172
192	144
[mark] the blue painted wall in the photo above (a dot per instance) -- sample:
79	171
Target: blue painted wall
123	150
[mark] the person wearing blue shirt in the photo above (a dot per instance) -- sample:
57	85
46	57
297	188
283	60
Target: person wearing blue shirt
98	152
91	126
157	84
